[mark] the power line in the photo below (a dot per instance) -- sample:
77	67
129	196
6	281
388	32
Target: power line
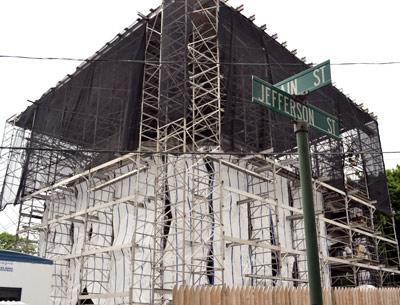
49	58
4	228
76	151
11	220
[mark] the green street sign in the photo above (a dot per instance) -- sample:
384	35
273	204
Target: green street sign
308	80
281	102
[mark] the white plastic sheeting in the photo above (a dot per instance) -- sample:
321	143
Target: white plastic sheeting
99	245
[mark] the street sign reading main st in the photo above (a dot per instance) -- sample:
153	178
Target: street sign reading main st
308	80
279	101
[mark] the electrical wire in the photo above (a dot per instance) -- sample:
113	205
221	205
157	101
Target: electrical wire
10	219
177	62
4	228
4	56
76	151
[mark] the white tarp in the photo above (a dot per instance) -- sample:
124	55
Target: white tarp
194	230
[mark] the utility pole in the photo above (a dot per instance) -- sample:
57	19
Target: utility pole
314	278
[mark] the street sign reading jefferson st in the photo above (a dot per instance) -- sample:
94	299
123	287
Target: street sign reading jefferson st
281	98
308	80
279	101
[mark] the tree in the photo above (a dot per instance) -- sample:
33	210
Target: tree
11	242
393	179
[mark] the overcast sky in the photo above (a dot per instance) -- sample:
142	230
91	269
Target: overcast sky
342	31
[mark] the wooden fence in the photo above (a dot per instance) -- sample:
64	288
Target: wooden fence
282	296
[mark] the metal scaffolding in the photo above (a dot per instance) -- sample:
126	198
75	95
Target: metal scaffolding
191	203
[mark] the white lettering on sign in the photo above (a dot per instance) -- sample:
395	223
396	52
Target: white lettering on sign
331	125
274	98
311	117
283	103
292	109
268	95
298	111
261	99
290	87
280	101
319	75
286	103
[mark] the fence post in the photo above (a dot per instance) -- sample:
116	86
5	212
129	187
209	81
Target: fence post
174	295
217	295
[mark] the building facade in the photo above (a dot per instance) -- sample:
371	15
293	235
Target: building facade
150	167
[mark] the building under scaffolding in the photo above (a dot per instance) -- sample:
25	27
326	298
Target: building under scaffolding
150	167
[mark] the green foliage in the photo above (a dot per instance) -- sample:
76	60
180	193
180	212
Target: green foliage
393	179
11	242
7	241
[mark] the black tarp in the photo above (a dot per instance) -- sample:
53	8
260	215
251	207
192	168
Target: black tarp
99	106
245	51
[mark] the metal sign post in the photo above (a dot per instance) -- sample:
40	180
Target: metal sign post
281	98
310	229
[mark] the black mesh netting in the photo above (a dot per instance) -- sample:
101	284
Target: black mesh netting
99	106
